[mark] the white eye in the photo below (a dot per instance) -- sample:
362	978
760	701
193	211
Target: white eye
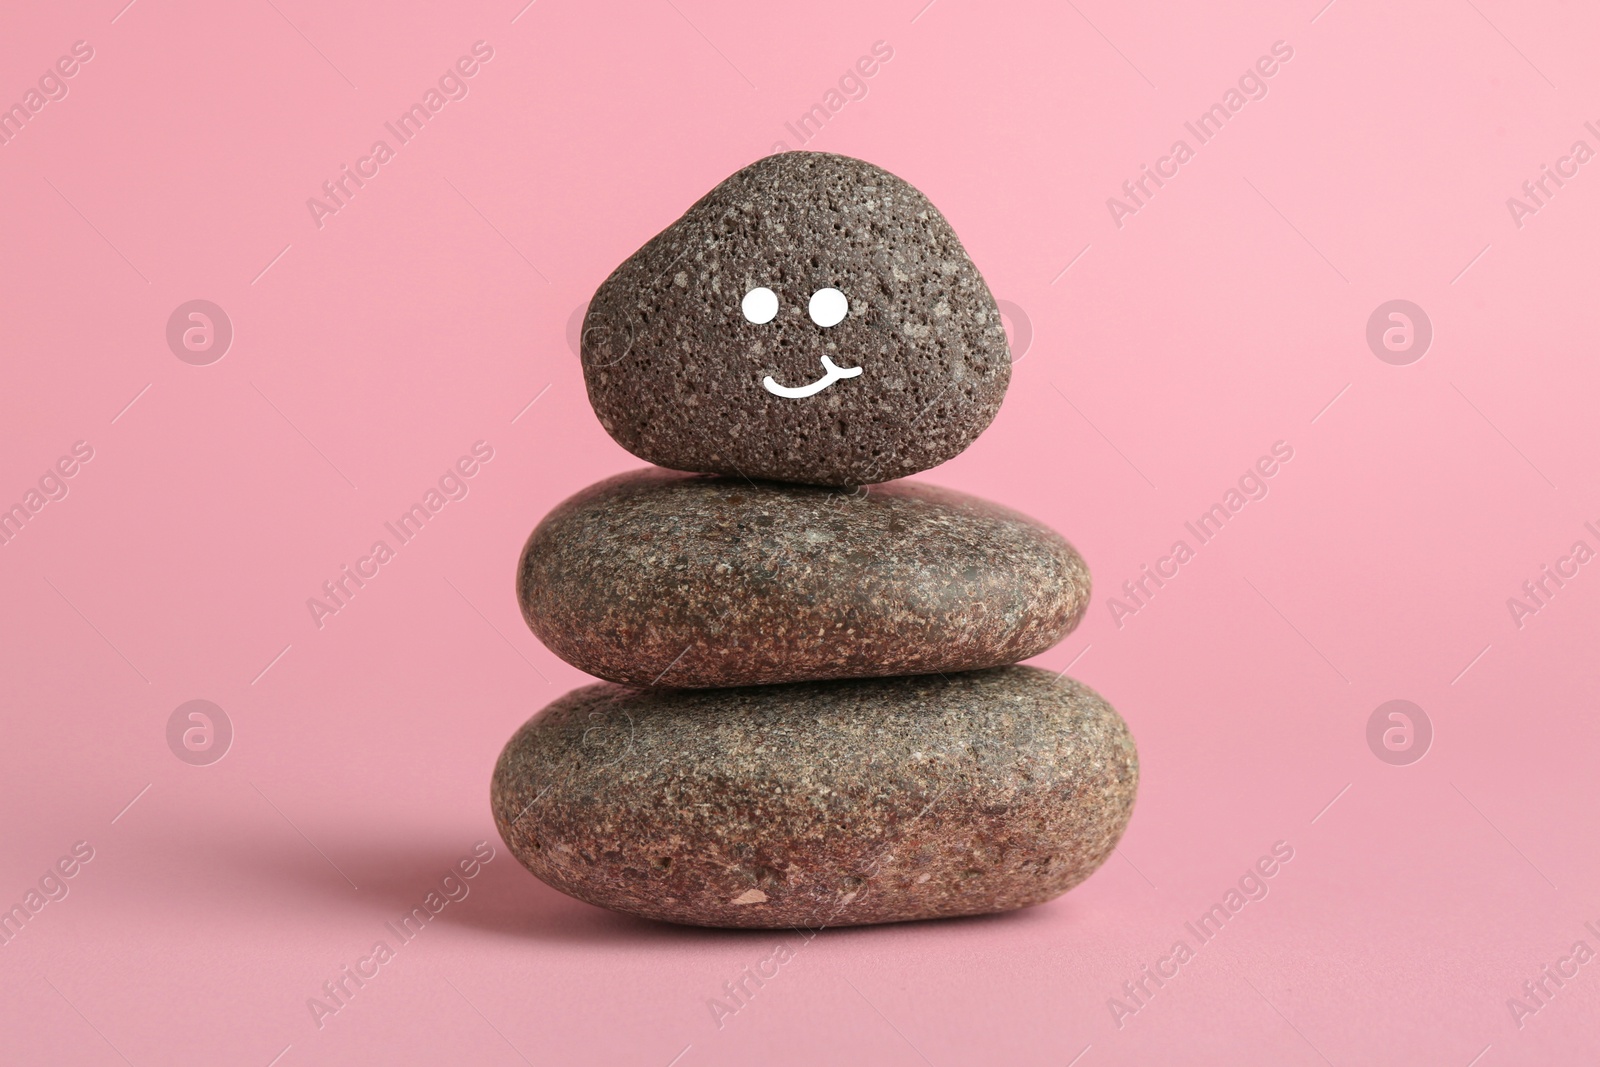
828	307
760	305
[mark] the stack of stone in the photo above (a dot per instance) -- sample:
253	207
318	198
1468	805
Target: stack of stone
812	717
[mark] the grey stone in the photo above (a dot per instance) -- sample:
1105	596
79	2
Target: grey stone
677	372
820	803
653	577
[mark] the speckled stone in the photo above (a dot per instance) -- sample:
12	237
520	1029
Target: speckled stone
659	578
675	370
820	803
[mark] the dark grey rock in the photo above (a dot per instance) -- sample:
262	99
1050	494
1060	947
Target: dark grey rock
654	578
821	803
675	370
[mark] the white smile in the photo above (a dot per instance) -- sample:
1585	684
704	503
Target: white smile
833	375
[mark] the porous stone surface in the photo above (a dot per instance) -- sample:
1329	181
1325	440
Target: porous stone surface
675	370
660	578
819	803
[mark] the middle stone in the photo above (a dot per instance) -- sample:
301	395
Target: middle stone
659	578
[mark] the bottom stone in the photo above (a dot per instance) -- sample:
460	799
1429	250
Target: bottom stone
822	803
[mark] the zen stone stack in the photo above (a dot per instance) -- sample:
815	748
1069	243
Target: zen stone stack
811	714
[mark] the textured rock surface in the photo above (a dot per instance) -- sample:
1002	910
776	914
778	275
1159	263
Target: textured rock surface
675	370
654	577
822	803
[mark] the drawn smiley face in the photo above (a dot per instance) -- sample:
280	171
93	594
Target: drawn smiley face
812	319
827	307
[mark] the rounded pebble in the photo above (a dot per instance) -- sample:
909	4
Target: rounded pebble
819	804
658	578
880	353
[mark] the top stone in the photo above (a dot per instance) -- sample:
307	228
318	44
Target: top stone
811	319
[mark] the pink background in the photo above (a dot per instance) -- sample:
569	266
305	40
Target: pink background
1227	314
